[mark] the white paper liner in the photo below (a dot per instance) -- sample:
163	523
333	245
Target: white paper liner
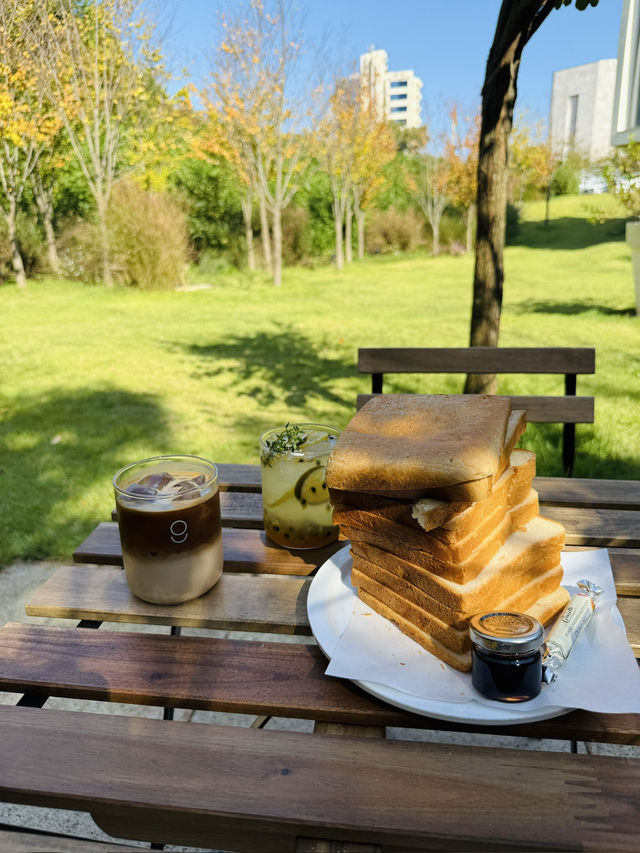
601	674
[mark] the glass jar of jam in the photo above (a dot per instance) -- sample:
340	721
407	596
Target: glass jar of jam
506	655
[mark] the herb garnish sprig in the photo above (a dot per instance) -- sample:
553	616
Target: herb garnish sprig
287	441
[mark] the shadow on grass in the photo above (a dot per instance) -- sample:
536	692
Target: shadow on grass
59	456
531	306
281	366
568	233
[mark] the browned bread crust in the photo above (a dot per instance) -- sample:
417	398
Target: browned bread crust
410	444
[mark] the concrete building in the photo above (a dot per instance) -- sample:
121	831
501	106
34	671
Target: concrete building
396	94
626	113
582	109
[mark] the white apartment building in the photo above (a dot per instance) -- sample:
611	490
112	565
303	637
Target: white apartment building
396	94
582	101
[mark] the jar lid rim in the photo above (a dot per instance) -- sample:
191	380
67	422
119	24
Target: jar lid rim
506	632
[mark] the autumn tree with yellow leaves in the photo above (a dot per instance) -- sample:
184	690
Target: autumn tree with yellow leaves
224	136
95	61
429	182
461	152
532	160
27	124
267	114
374	146
354	144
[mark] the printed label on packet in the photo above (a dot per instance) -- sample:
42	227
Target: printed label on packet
572	622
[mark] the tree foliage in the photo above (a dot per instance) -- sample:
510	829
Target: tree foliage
354	145
27	124
266	110
96	62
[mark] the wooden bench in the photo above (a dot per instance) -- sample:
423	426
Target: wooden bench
568	409
208	785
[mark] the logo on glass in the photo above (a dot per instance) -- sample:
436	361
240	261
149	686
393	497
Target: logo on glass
178	531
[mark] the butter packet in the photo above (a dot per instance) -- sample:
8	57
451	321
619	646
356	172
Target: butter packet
571	623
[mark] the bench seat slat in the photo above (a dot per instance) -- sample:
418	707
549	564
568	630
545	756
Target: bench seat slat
477	360
411	794
281	679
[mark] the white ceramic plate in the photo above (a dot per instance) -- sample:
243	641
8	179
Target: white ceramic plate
329	606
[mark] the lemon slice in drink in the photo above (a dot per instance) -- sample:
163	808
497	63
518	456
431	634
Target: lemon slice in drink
311	487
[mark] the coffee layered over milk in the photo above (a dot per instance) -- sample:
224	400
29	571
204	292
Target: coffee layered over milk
169	520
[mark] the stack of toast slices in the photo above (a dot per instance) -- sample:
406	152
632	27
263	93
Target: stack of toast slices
438	505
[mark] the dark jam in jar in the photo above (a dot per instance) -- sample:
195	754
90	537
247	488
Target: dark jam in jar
506	656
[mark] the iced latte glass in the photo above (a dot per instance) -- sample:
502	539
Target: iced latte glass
295	499
170	529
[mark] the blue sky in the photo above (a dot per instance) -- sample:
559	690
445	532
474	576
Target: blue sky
445	42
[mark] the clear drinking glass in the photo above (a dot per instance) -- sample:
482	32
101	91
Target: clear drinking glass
295	499
170	527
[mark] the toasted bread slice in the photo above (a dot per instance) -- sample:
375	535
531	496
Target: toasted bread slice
458	560
408	599
545	609
523	556
405	444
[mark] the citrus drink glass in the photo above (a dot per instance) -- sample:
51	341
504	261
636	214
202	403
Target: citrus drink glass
295	498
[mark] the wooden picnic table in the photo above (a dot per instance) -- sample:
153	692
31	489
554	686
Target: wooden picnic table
256	788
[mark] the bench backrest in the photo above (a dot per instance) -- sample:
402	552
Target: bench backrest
568	409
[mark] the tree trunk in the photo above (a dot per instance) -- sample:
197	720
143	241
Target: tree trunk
277	245
517	22
44	203
337	227
16	258
247	211
547	201
348	230
266	236
360	226
435	232
337	206
103	230
470	216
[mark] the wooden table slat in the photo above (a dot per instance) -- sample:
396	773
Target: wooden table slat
236	676
577	492
420	795
244	551
597	527
241	508
240	478
558	491
239	601
585	527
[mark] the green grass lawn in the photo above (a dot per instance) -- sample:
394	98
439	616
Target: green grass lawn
93	379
